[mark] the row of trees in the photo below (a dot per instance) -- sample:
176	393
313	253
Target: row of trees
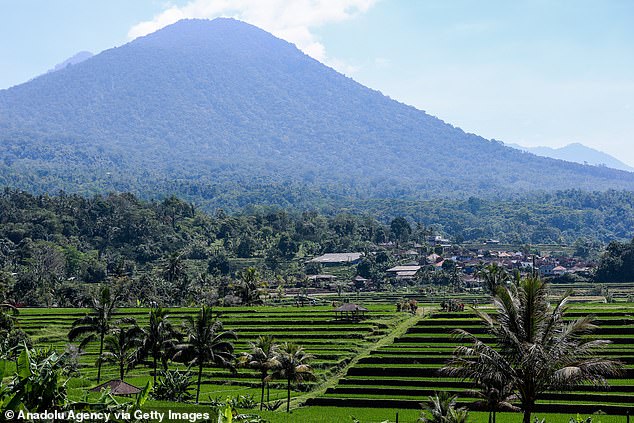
54	248
277	361
201	342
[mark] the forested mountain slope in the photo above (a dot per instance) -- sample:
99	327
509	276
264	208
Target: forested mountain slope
224	114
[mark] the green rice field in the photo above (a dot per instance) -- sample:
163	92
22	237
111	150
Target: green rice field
369	370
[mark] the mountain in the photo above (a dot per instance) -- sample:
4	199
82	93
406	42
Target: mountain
225	114
577	153
73	60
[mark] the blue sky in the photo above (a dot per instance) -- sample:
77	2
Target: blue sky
530	72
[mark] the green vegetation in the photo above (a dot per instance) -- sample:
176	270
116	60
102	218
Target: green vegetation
130	277
53	250
290	362
617	263
96	324
206	342
402	372
399	371
274	128
217	384
259	357
535	349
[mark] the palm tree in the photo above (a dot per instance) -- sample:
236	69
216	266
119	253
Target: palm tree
495	396
291	363
122	345
173	267
260	357
207	342
493	276
159	338
536	350
95	325
248	287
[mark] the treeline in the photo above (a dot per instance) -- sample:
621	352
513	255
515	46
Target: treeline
53	247
563	217
617	263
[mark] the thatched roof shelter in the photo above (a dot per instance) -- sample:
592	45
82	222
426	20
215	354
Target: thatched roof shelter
349	311
117	387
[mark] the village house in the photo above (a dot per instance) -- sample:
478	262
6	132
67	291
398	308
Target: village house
404	272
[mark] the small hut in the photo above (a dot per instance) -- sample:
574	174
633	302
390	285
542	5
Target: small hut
117	387
349	311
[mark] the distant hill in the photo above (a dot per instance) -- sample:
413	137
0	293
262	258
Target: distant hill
73	60
226	115
577	153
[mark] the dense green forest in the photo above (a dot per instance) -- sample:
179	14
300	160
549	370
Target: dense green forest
617	264
52	248
224	114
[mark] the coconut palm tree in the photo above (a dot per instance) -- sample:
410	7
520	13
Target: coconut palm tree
291	363
95	325
260	357
173	267
248	287
207	342
122	345
495	396
159	338
493	275
535	349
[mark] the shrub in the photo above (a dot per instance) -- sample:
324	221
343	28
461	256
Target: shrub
173	385
243	401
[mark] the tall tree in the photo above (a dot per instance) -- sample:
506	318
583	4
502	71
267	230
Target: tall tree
401	229
207	342
260	357
495	396
535	349
122	345
95	325
173	267
248	286
159	338
291	363
492	276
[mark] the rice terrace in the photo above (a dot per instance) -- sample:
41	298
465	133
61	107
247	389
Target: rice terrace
387	363
274	211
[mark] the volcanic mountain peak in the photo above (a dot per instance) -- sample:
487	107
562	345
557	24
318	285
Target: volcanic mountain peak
227	114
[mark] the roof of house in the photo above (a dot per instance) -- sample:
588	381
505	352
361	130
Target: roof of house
406	268
336	258
117	387
317	277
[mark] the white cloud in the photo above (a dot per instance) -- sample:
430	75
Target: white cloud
292	21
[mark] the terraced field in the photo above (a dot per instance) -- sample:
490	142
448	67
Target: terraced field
333	343
404	373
